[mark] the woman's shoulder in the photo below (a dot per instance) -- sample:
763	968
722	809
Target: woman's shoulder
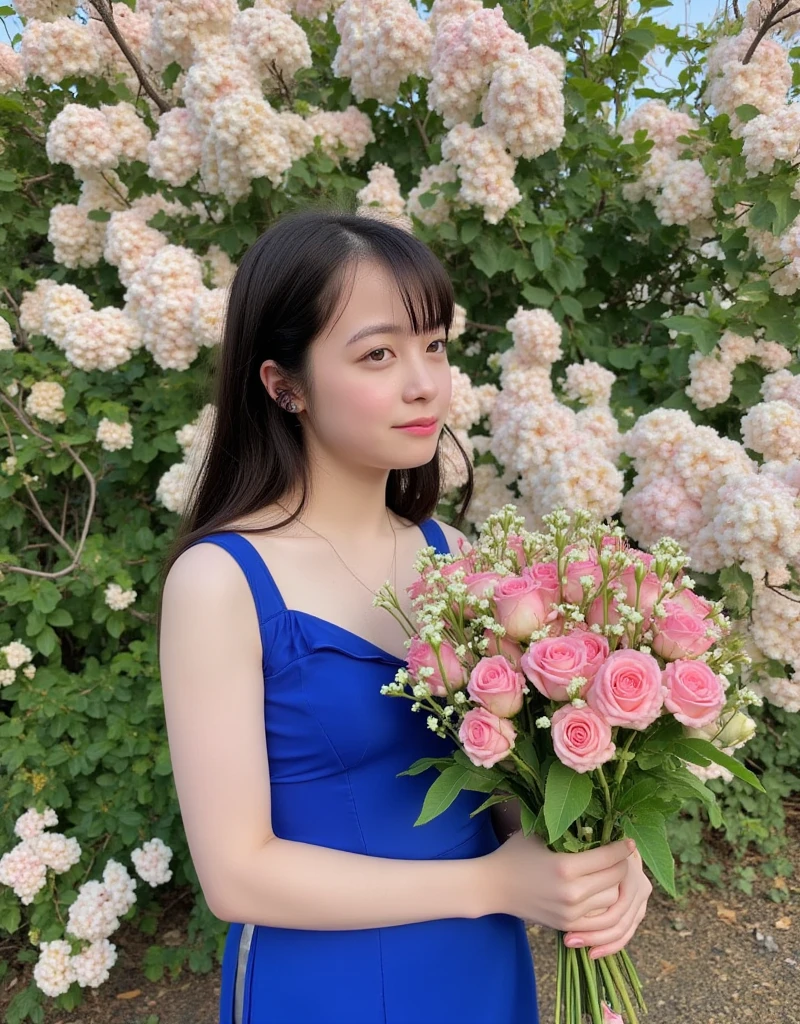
452	535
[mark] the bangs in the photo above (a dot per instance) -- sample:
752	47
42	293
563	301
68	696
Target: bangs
426	289
424	284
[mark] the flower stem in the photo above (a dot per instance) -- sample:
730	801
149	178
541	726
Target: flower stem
559	973
589	973
636	985
616	974
611	990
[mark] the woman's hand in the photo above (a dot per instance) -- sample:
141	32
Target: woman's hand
611	930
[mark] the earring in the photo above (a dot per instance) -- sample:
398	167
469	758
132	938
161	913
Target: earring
286	401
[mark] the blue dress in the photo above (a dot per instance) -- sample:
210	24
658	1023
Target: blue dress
335	746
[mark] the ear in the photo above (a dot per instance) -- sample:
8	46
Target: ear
277	384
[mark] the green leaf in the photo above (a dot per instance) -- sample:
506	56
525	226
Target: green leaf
702	751
640	792
746	112
572	307
427	200
537	296
649	832
542	252
703	331
169	75
495	798
424	763
527	819
442	793
47	597
566	796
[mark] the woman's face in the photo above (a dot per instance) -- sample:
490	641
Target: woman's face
371	376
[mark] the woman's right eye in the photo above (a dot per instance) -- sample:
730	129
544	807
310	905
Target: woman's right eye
369	355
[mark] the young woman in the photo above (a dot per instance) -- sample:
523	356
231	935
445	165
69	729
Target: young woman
319	483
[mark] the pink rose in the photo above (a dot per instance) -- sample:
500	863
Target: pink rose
596	616
695	695
581	738
422	655
521	606
494	684
649	590
487	739
573	591
459	563
680	634
546	574
503	645
420	586
550	664
596	650
481	585
694	603
514	544
628	689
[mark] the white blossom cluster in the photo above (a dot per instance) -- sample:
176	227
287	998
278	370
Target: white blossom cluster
118	599
175	485
94	915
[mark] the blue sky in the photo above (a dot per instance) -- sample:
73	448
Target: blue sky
690	11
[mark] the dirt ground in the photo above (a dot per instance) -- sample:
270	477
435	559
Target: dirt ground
720	957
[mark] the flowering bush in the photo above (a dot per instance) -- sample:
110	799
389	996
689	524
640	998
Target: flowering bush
625	338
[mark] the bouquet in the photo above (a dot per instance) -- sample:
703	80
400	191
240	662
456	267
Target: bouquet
585	679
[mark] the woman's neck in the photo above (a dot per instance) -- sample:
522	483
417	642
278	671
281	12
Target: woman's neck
340	502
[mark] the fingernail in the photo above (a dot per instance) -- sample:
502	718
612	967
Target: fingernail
595	956
631	845
573	943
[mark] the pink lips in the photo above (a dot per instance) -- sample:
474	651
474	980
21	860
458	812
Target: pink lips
422	428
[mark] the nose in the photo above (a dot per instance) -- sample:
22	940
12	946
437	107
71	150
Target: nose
421	381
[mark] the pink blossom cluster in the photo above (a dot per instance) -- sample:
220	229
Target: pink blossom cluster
12	73
763	82
558	458
773	430
382	43
440	211
466	52
93	139
485	169
465	411
161	297
275	45
44	10
382	198
525	102
756	13
679	189
679	466
343	134
771	137
57	49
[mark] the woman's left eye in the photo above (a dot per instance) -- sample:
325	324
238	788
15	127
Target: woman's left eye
442	342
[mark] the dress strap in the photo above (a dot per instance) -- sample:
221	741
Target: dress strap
434	535
266	595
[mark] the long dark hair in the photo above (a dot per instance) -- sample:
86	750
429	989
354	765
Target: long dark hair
285	291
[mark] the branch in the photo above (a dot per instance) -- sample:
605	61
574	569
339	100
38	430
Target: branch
75	555
103	8
486	327
779	592
769	23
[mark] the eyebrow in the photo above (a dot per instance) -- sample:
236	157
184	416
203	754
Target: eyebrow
375	329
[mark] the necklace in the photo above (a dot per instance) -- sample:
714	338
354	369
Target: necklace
393	570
